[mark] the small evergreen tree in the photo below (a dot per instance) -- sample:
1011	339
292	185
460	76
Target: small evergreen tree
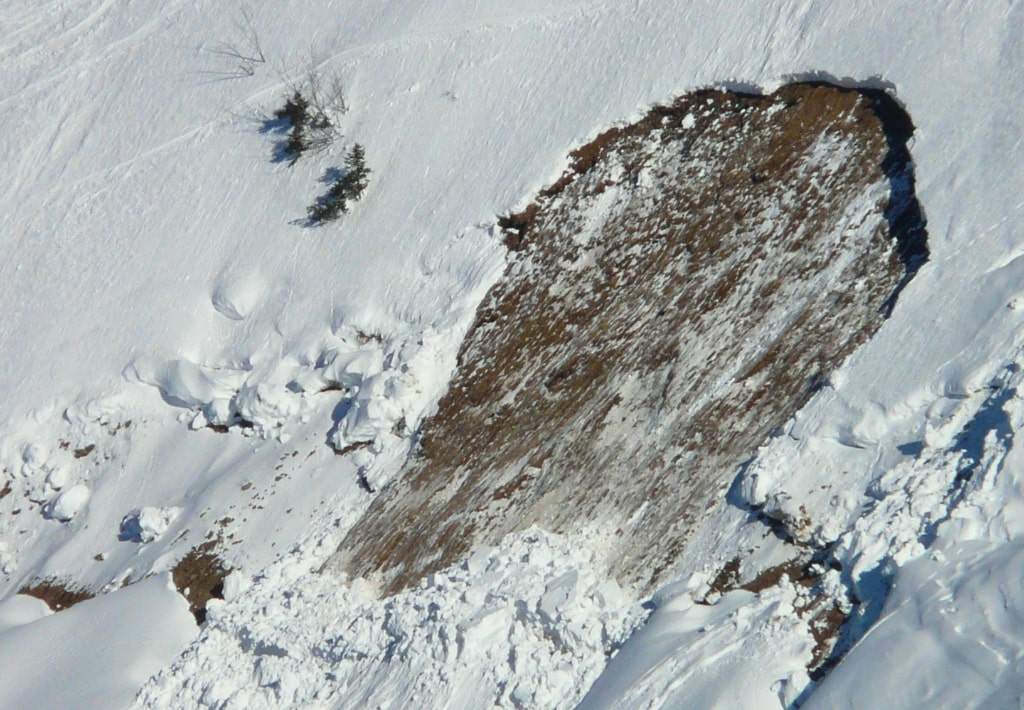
296	112
350	186
357	175
295	109
297	143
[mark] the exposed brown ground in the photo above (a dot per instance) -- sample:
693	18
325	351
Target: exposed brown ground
57	594
822	613
677	296
199	576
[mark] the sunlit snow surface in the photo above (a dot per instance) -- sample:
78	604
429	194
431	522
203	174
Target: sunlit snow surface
146	229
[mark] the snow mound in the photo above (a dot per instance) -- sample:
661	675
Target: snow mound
97	654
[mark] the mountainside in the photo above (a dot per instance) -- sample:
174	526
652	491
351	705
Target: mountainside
629	379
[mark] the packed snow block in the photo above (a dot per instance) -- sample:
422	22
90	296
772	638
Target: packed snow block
147	524
69	503
557	594
688	284
266	404
350	368
186	384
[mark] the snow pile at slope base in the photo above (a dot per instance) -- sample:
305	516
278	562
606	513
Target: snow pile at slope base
527	625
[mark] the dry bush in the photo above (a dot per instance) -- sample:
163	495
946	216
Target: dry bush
241	54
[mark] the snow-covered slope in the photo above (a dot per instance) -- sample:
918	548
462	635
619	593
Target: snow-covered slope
152	272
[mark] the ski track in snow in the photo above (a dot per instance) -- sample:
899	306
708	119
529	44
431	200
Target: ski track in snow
145	229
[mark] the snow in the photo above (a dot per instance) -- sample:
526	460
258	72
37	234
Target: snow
21	609
954	622
150	269
745	650
951	540
96	654
528	624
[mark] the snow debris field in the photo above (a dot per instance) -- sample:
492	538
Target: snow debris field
529	624
780	470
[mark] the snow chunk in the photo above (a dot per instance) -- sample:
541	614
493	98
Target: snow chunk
57	478
33	456
235	584
266	405
69	503
350	369
185	383
147	524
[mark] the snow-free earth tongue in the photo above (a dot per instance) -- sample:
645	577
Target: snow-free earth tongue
690	283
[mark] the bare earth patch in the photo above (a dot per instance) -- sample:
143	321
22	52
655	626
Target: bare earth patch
199	576
57	594
673	299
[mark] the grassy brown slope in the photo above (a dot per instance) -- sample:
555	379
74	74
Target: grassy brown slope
678	295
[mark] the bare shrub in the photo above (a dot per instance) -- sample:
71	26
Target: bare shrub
325	105
243	53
